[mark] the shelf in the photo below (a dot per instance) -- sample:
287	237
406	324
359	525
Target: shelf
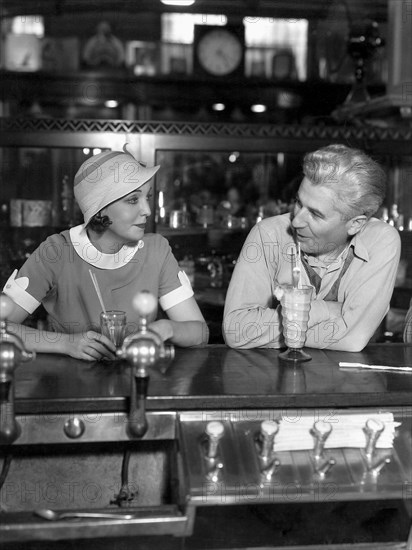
197	230
183	91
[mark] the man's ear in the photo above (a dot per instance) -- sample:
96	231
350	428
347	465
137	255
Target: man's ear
356	224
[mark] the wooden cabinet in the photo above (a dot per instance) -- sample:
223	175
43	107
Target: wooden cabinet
200	150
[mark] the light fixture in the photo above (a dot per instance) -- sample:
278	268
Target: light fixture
182	3
111	103
258	108
96	151
234	156
218	106
86	151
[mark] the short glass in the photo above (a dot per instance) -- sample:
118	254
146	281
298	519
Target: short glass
295	304
113	325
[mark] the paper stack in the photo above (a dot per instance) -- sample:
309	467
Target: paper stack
347	431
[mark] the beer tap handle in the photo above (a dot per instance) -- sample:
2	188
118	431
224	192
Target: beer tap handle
373	429
214	433
321	431
268	431
137	424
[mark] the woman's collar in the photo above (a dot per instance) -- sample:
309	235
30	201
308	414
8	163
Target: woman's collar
91	255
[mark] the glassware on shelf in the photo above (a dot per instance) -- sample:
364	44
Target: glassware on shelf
206	215
188	266
178	219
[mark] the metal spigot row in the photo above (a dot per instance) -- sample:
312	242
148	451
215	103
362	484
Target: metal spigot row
269	462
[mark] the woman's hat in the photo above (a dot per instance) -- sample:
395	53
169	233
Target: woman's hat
107	177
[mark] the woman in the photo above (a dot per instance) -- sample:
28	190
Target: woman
113	191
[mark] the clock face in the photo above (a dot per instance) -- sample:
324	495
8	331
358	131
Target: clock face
219	52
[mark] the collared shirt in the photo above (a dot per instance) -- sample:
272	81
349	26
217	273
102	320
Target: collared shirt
57	275
322	276
252	316
407	331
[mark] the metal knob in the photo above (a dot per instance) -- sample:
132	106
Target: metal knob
268	430
214	433
376	468
322	469
214	473
269	470
321	431
141	350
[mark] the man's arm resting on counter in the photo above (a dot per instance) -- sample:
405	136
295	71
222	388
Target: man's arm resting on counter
407	331
253	327
249	319
349	326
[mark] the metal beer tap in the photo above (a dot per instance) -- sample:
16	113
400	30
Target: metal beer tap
12	352
373	430
141	350
267	463
214	433
321	431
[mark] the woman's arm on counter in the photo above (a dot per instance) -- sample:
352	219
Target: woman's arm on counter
185	327
89	345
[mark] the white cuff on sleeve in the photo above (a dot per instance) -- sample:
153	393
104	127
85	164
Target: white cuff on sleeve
16	290
179	294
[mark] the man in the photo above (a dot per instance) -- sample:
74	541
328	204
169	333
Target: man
349	258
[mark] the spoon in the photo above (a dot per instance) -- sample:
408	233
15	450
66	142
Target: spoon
51	515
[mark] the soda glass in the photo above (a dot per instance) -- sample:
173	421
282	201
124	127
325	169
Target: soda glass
295	304
113	325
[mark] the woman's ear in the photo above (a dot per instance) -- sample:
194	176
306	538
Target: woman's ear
356	224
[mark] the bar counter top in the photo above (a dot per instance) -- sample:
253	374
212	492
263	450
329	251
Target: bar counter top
217	377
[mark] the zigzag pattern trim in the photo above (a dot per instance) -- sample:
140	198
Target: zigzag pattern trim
207	129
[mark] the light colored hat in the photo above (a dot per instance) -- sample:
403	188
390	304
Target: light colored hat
107	177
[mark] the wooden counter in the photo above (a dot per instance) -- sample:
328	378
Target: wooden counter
51	466
218	377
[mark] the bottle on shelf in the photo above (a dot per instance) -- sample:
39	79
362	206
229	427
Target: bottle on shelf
394	215
67	201
395	218
260	214
385	215
188	266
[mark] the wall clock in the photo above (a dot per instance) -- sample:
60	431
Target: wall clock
219	51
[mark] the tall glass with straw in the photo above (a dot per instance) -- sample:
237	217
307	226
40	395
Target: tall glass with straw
295	300
113	322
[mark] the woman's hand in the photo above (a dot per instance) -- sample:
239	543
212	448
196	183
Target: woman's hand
89	346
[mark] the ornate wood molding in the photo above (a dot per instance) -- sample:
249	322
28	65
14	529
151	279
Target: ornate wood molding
290	132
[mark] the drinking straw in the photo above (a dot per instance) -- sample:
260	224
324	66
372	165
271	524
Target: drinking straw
299	266
295	266
97	289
